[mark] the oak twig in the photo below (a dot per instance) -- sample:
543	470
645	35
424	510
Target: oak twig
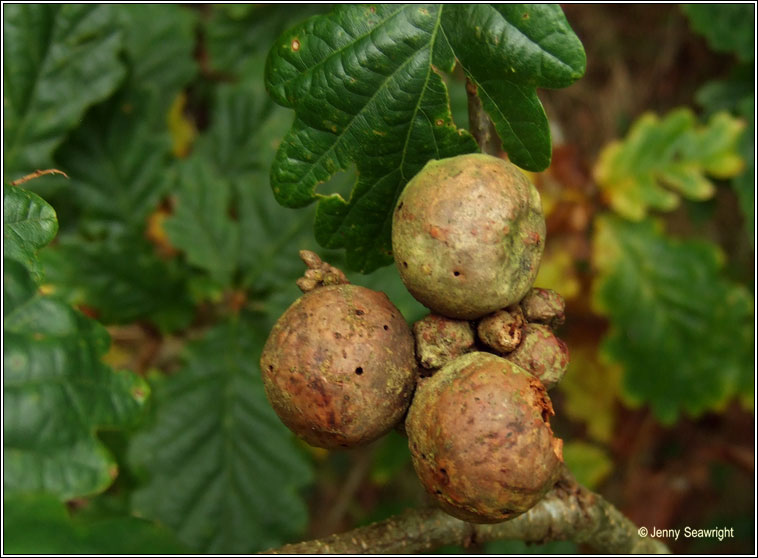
36	174
479	123
568	512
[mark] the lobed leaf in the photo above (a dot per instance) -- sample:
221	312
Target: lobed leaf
57	393
49	52
29	223
681	331
223	472
507	50
367	90
364	85
662	158
40	524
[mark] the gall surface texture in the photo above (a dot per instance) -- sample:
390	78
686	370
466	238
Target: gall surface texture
480	438
339	367
467	235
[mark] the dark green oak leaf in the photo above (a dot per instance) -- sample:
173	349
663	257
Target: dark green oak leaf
59	59
236	32
40	524
365	82
245	131
118	165
121	279
57	393
241	142
727	27
682	332
159	40
201	225
507	51
222	470
29	223
226	221
726	94
744	184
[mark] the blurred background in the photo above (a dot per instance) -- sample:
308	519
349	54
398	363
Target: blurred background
170	237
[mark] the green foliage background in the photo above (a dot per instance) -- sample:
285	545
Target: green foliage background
168	224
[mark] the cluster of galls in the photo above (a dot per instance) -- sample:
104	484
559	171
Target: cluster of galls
341	367
521	333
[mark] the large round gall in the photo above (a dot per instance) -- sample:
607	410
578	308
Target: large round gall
467	235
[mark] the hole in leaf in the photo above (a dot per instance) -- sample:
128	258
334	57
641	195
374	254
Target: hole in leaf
341	184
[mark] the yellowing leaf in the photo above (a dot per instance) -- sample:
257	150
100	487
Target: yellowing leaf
117	357
181	128
591	388
318	454
589	463
661	159
156	232
557	272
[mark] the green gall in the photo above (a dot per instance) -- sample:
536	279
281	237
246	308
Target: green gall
467	235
